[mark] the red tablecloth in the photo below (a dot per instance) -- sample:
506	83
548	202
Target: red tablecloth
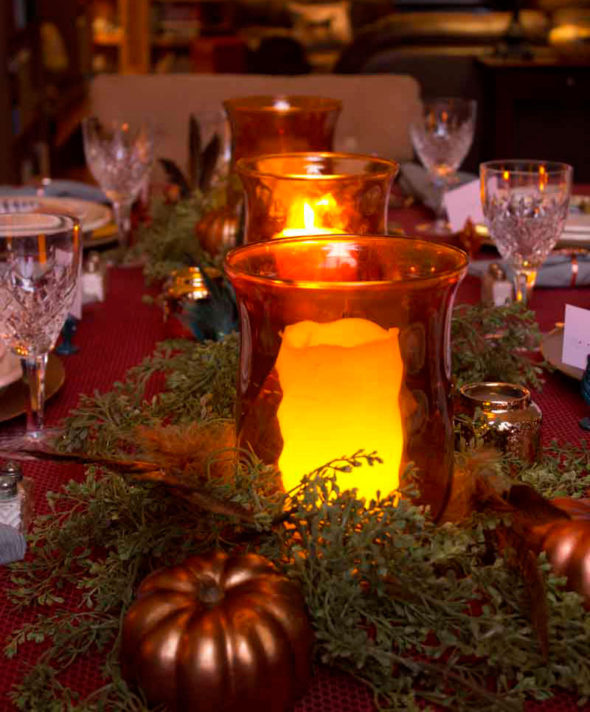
116	335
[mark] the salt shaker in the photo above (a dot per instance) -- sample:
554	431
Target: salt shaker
495	288
93	279
14	497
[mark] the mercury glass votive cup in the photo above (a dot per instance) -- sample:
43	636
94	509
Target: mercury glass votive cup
299	194
345	346
281	124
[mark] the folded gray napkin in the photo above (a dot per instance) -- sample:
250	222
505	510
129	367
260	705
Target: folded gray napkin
557	271
57	189
12	544
415	180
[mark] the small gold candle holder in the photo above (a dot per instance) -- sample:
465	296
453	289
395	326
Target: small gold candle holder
511	420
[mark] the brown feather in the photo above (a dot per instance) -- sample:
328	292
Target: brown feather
476	485
205	449
520	557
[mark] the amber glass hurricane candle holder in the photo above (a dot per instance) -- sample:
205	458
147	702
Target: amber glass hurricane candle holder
281	124
344	346
301	194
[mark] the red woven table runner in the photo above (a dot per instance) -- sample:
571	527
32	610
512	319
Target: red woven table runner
115	336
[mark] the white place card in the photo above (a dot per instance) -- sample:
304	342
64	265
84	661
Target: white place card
576	336
462	203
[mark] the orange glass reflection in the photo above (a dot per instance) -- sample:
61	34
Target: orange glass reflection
281	124
344	346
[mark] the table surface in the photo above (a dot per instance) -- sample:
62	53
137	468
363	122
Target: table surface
117	334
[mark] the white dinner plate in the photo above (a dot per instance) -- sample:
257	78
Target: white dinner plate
90	214
551	348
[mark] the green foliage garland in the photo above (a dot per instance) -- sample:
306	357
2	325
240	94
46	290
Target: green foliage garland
390	594
492	344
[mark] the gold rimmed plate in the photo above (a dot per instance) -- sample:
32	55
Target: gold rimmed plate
15	397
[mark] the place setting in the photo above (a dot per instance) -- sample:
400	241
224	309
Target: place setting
329	461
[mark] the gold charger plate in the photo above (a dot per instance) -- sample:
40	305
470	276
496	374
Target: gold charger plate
15	397
551	348
105	235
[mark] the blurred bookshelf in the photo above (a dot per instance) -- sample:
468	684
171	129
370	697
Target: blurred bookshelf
23	148
45	63
140	36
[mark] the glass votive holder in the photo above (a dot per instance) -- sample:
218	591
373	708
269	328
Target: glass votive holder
510	420
299	194
281	124
345	347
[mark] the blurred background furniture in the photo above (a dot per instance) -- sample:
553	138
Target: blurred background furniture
375	116
51	50
44	64
537	106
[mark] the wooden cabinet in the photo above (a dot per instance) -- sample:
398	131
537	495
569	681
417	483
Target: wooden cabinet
538	109
22	131
44	66
138	36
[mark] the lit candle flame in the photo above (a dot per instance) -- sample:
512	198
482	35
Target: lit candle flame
307	219
281	104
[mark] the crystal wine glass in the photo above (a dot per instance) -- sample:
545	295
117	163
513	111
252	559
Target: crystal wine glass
120	156
39	266
442	137
525	204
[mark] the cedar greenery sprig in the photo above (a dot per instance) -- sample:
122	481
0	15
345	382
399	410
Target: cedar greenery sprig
168	241
493	344
563	472
104	534
378	581
392	598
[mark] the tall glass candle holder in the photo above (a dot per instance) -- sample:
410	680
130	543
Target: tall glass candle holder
299	194
345	346
281	124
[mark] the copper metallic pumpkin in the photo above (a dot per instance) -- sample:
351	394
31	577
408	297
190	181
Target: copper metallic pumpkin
218	633
567	544
217	229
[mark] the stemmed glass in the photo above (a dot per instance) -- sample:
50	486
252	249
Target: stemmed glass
442	137
525	204
120	156
39	266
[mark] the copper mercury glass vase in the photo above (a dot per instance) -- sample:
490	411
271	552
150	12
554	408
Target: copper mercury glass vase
345	346
299	194
281	124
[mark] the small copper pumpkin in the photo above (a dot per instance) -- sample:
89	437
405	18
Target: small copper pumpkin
566	541
217	230
567	545
218	633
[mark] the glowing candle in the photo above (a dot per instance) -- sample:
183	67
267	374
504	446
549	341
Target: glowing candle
307	219
340	384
